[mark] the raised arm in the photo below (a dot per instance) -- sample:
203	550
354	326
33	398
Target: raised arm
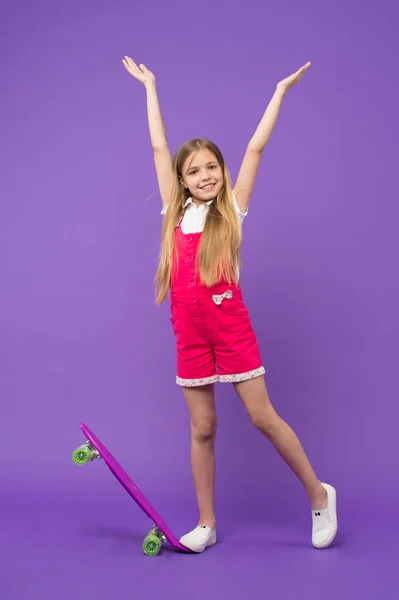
162	155
249	167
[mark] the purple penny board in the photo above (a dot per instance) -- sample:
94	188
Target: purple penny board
132	488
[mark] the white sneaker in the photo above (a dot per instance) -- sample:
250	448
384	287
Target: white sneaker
325	522
199	538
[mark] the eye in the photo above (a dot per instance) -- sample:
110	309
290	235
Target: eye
212	167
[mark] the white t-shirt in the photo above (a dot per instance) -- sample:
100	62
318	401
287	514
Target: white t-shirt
194	217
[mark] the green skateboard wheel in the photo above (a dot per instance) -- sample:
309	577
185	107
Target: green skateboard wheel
151	545
82	455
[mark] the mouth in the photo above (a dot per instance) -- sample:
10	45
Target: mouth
208	187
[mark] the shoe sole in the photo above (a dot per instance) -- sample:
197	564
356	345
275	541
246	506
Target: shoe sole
199	549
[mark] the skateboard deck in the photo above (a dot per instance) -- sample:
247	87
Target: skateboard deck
160	532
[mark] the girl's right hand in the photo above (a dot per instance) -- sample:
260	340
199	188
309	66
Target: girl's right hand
141	73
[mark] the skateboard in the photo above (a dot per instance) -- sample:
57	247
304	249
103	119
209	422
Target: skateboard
160	532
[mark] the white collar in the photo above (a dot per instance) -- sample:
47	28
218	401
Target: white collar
190	201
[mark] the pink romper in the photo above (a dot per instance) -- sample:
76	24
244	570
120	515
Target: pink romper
214	337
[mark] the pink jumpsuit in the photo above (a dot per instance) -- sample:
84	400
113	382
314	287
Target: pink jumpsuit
214	337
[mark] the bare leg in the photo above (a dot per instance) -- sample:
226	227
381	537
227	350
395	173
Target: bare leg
254	396
201	403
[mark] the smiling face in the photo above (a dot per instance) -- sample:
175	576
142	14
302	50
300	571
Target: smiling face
202	175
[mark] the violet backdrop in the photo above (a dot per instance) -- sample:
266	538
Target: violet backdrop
81	338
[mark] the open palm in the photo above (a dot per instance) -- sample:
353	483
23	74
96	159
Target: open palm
141	73
288	82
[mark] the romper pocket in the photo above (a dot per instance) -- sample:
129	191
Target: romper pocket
233	306
173	312
173	308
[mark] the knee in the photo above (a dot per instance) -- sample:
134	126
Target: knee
204	430
267	422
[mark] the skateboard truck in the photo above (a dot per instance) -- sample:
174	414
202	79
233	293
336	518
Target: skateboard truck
159	533
153	542
84	453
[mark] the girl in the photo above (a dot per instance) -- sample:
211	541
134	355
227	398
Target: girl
199	264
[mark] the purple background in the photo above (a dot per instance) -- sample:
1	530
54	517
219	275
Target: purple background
81	339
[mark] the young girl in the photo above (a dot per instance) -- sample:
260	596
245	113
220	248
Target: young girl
199	264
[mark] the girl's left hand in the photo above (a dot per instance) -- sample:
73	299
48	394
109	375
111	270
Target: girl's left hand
288	82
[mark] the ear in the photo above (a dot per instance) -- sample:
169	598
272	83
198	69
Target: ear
183	184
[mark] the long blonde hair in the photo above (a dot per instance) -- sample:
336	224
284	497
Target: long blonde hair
219	251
